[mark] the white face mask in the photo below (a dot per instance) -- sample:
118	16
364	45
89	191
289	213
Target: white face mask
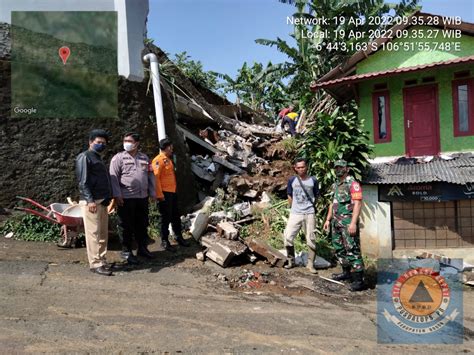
129	146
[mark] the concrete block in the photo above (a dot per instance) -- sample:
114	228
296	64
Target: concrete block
201	256
227	230
235	246
220	254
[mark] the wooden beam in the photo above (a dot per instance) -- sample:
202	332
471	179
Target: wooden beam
198	140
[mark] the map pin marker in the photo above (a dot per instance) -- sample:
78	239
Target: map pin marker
64	53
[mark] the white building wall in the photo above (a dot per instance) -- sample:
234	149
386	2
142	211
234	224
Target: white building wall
375	225
131	17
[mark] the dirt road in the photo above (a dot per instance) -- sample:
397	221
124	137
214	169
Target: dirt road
50	302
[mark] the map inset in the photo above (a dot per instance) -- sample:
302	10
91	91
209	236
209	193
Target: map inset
64	64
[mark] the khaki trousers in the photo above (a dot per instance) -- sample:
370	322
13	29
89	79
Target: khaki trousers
295	223
96	226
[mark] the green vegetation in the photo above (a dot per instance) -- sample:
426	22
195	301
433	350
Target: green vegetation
271	225
259	87
31	228
336	136
194	70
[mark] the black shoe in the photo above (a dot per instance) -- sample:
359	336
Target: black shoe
181	241
145	253
165	244
101	270
344	275
358	281
112	267
132	260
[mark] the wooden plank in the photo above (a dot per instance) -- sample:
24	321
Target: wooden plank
274	257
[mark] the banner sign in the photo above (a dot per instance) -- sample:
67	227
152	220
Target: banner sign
428	192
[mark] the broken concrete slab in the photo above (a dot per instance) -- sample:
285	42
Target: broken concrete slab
217	217
201	172
227	230
251	194
243	209
274	257
210	239
219	160
468	278
220	254
222	251
199	224
201	256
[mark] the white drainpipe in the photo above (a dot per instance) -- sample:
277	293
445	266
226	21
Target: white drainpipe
155	77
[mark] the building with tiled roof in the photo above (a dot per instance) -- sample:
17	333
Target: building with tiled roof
415	92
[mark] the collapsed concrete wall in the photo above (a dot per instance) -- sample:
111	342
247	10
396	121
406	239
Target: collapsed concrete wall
37	154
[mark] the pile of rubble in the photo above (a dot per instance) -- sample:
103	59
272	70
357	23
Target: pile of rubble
218	233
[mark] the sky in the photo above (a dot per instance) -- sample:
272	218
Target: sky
221	33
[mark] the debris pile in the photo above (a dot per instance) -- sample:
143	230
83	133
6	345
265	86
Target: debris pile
250	279
452	265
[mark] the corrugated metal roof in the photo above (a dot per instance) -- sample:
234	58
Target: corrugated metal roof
459	170
366	76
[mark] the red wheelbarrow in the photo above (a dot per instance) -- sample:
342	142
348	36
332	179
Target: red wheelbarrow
67	215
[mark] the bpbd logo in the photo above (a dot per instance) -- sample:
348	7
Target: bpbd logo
418	304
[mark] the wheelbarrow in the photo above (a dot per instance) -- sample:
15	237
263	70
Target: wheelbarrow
69	216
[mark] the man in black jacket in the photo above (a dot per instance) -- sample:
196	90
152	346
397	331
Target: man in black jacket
96	193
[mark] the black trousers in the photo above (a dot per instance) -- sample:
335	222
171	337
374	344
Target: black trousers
169	214
133	222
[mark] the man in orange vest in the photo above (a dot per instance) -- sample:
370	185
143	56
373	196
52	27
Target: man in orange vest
165	187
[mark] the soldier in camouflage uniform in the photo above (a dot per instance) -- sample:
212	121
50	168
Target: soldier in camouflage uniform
343	219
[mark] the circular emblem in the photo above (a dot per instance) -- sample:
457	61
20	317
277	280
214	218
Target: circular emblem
356	187
421	296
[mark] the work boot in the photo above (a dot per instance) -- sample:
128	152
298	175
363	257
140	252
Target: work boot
165	244
143	251
181	241
357	281
345	275
290	253
311	258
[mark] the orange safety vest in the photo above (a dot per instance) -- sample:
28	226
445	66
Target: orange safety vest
165	178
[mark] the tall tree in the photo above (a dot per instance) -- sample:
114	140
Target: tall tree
321	45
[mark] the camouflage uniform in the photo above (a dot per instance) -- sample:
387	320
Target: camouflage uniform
347	247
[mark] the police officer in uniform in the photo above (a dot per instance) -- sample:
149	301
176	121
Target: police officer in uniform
343	219
133	183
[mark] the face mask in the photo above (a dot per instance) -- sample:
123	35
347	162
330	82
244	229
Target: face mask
129	146
98	147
